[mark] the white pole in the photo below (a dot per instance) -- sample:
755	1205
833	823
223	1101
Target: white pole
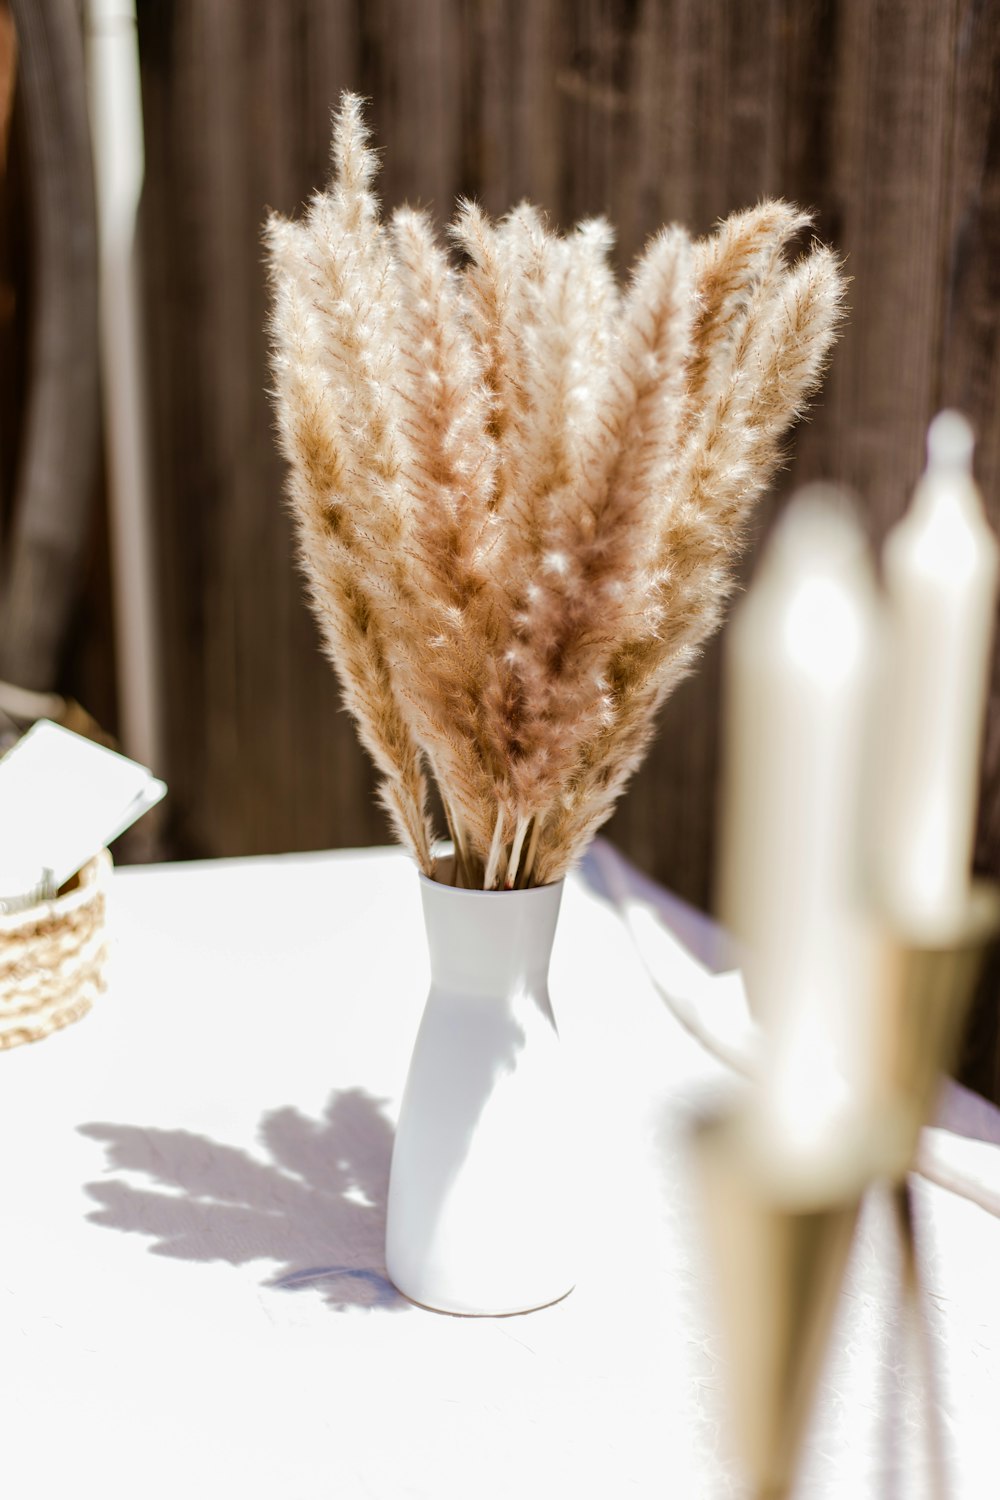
116	128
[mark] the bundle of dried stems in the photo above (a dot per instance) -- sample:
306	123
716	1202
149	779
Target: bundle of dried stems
519	489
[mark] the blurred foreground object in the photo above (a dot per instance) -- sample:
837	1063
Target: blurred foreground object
779	1244
862	956
799	679
941	564
853	739
783	1176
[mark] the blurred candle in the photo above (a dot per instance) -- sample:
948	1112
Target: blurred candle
799	676
940	566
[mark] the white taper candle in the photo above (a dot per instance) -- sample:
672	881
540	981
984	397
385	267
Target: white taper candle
940	564
799	672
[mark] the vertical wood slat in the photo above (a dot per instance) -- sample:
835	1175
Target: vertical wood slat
969	370
969	377
879	115
668	821
13	256
41	578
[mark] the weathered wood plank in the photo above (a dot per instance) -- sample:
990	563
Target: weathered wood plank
968	372
43	564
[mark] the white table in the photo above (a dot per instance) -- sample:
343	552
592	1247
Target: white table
192	1290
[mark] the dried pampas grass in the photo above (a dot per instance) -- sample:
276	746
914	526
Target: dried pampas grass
519	489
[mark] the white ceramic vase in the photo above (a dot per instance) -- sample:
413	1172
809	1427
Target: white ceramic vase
481	1193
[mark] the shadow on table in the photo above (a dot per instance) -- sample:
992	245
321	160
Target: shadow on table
316	1205
963	1113
615	880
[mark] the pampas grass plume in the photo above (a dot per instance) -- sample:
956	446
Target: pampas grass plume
519	489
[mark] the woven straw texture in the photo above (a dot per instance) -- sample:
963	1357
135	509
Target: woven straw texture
52	958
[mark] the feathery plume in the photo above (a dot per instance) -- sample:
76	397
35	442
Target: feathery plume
332	557
519	490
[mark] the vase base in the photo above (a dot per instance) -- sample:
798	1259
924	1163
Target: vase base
471	1312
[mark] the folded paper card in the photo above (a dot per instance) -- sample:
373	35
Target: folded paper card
62	799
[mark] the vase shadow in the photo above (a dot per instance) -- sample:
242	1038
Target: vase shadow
313	1202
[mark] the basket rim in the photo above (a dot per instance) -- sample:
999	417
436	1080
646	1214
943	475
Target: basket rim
92	879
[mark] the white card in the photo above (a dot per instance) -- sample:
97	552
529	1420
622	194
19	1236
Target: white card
63	798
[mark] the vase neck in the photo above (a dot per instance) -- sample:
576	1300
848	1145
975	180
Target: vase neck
490	942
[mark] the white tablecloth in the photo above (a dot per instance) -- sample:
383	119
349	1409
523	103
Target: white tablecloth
192	1290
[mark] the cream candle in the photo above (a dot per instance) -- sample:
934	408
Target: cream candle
799	673
940	565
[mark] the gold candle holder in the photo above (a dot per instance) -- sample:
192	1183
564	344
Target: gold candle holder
929	981
778	1238
779	1234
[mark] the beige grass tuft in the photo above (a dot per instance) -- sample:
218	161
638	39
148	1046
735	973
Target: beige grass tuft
519	489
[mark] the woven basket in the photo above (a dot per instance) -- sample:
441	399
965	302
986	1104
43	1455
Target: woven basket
52	958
